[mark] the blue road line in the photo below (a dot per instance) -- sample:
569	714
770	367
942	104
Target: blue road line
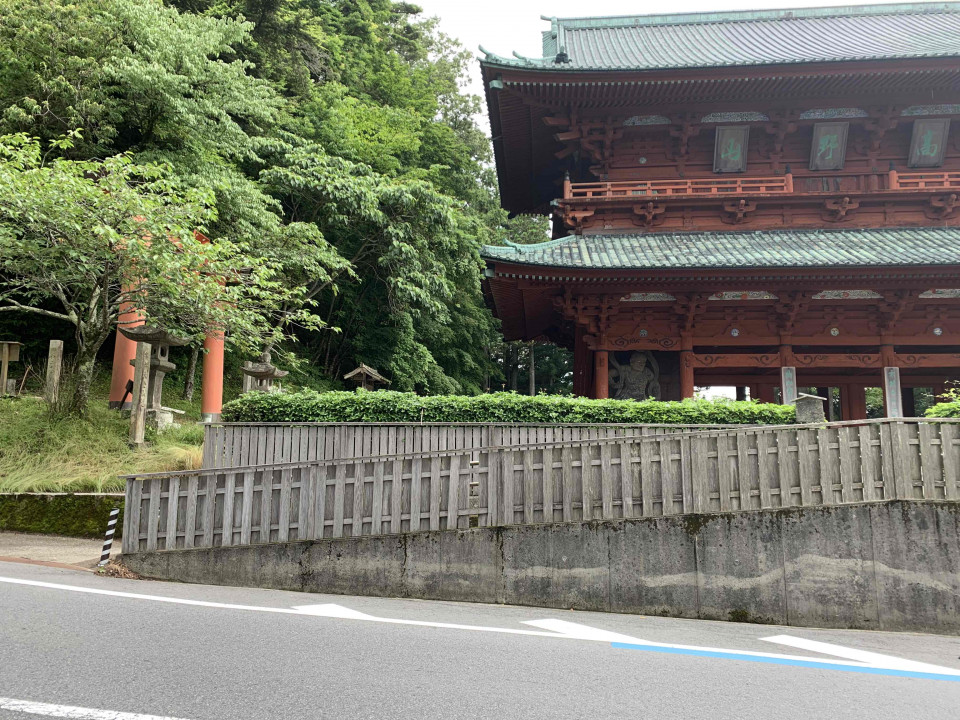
866	669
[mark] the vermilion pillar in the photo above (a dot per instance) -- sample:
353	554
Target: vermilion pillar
581	365
124	350
211	402
766	394
686	374
853	402
601	383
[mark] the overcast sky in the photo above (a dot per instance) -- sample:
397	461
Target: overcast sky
503	26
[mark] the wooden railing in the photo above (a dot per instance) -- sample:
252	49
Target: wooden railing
588	479
924	180
854	182
701	186
237	444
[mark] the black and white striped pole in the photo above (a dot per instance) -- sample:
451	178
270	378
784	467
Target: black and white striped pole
108	540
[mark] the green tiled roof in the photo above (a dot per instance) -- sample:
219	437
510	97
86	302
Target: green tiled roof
699	40
755	249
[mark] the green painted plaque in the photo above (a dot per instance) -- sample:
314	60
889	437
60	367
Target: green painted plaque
730	153
829	146
928	144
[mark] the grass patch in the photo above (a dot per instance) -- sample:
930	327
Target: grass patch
39	454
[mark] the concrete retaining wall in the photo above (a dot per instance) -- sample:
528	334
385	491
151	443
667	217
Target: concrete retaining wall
891	566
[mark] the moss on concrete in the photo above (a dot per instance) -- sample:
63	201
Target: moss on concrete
48	514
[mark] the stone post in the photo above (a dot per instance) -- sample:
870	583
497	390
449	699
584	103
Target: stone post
788	375
892	396
892	392
788	383
140	400
51	390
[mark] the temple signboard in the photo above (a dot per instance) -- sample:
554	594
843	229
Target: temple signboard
928	143
829	146
730	154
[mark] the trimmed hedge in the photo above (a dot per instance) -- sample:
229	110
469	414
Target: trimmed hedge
388	406
82	516
944	410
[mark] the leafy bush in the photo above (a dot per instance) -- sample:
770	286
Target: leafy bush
944	410
386	406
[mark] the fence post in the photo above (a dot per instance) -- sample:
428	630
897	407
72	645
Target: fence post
902	465
108	538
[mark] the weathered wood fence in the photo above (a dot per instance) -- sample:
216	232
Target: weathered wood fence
239	444
568	480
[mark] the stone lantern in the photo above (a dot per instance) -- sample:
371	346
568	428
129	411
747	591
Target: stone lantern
160	343
260	375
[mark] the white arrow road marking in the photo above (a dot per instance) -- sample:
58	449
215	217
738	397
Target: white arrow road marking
68	711
332	610
862	659
581	632
857	660
868	658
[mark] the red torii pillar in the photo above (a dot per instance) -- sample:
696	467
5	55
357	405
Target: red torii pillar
211	401
124	350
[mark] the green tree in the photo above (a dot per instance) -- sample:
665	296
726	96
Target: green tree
78	239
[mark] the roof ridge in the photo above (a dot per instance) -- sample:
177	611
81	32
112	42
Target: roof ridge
732	16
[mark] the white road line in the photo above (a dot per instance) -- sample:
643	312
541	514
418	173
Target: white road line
869	658
328	610
552	628
68	711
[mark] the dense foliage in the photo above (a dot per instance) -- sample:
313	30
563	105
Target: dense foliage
325	147
361	406
944	410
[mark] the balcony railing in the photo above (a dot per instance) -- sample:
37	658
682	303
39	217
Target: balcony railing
925	180
777	185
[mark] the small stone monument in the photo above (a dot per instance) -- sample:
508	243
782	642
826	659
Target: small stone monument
260	375
160	342
51	388
9	352
366	377
809	409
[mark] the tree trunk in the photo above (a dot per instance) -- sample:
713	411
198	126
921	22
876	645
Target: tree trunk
191	374
76	402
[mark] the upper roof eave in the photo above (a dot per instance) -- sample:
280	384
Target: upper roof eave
744	38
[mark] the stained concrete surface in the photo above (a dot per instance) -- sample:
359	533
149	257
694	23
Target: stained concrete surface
891	565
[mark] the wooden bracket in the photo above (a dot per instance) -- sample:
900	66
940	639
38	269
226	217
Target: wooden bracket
779	129
943	206
686	130
648	214
737	210
836	210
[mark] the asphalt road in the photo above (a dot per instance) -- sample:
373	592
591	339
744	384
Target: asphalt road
70	638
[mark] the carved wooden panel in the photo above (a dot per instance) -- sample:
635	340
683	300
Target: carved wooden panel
730	151
829	146
928	143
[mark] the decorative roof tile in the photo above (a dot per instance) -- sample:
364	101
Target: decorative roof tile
699	40
752	249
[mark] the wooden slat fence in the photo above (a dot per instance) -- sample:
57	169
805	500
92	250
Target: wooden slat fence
240	444
549	481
